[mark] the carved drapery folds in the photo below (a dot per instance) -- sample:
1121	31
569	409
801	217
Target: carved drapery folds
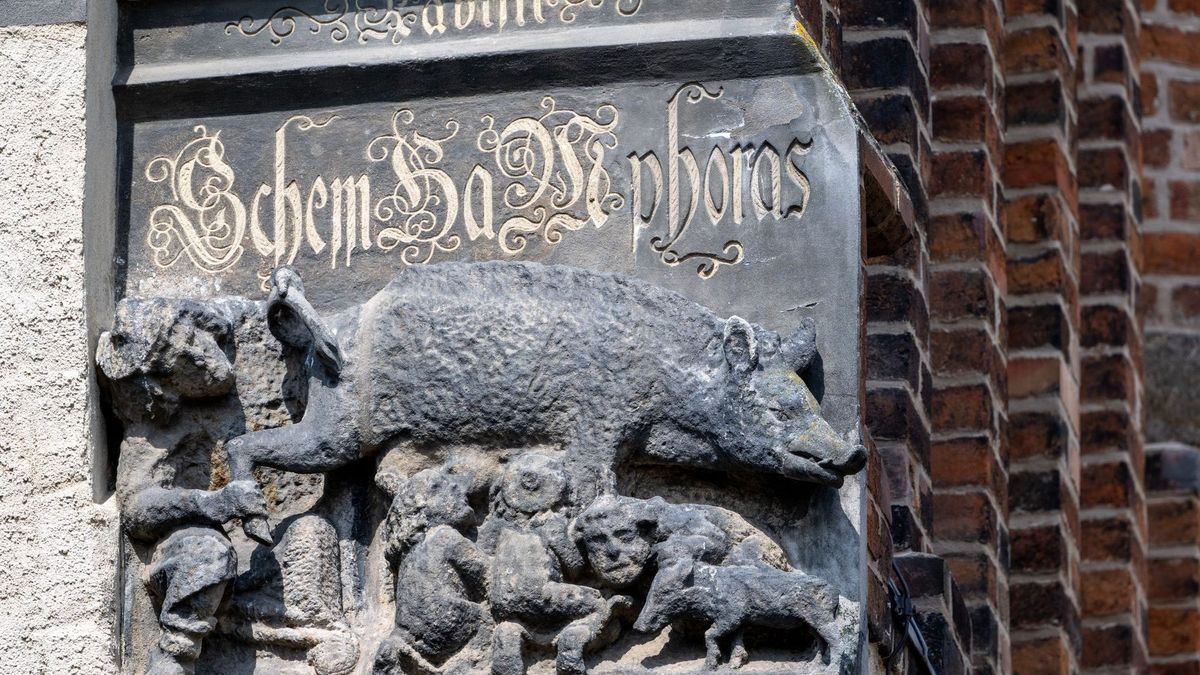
454	478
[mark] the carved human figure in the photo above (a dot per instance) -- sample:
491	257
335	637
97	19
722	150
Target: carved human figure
625	538
441	576
466	353
161	358
709	565
529	595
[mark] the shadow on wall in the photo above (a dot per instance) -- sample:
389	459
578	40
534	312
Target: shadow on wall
1172	379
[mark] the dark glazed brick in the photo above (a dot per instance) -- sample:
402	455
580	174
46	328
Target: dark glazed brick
1039	604
879	14
1110	64
884	63
1106	325
1107	645
1036	491
1035	103
1173	578
1106	378
894	357
1040	549
1037	435
1105	273
1110	484
1106	539
959	294
959	64
1038	326
891	117
1103	221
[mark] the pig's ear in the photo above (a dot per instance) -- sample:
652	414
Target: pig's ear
741	345
800	349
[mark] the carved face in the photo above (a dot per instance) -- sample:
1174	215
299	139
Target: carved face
435	498
774	421
428	499
616	539
161	351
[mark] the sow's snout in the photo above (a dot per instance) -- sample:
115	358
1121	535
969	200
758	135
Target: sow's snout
826	457
847	457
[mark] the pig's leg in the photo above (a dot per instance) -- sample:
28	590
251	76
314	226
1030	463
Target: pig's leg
315	446
814	603
738	656
829	628
590	462
507	646
713	637
594	613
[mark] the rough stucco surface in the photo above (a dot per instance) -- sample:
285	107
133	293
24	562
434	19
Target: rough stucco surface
58	547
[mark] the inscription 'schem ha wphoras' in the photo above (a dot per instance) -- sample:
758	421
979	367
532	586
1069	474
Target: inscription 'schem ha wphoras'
553	172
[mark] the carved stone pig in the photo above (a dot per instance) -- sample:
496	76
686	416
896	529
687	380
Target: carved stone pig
515	354
729	599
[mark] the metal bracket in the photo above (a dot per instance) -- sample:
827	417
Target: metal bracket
904	614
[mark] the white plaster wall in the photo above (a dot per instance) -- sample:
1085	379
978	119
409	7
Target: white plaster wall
58	547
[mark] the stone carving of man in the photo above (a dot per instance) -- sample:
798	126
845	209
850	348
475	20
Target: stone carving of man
531	599
441	577
162	359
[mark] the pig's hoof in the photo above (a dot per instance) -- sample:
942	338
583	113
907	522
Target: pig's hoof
570	664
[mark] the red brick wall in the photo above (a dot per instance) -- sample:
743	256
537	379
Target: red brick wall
1170	66
1010	390
1041	219
1112	494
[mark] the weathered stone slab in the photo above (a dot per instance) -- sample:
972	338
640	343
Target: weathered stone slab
696	146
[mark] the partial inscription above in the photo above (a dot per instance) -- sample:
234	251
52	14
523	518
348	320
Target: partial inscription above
396	21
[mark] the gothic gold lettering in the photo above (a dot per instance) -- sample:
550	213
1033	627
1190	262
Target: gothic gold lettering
210	225
480	180
637	185
527	180
464	13
366	20
798	177
315	193
763	207
351	215
716	159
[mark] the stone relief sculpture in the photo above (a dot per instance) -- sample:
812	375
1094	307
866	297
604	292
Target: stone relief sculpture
159	355
443	465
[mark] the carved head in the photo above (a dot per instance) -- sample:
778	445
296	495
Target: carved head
426	500
674	595
772	420
617	533
160	352
533	483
